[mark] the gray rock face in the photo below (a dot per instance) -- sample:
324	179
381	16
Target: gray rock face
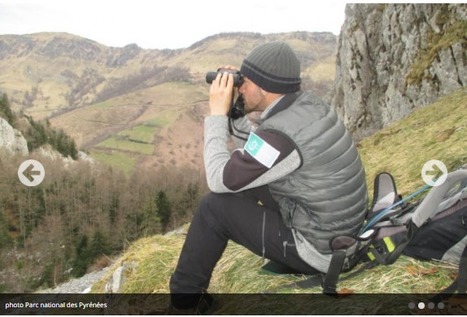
393	58
11	140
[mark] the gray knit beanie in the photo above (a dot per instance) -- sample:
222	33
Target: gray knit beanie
273	67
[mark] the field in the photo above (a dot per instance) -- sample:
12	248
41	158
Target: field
139	129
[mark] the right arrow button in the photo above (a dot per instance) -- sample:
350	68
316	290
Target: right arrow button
434	173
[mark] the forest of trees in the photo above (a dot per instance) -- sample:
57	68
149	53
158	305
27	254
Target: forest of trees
82	214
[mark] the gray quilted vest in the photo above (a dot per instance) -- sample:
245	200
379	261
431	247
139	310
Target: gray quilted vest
327	195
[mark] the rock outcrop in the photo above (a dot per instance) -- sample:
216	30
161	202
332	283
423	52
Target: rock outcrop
11	140
395	57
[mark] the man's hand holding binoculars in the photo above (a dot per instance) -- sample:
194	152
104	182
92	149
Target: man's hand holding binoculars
221	94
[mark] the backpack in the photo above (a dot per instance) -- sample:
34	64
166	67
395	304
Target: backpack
434	227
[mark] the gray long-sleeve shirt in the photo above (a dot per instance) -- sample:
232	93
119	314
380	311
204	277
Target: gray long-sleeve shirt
261	160
264	157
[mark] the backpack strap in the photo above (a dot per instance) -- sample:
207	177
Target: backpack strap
460	283
347	252
340	246
344	248
395	254
462	274
384	193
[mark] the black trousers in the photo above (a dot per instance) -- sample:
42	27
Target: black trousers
240	218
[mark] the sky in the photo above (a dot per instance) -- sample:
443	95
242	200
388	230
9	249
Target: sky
160	24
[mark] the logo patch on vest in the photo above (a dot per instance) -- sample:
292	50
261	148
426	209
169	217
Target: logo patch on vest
261	150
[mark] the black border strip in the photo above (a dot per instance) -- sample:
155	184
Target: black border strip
234	304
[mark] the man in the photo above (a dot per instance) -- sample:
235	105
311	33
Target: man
295	184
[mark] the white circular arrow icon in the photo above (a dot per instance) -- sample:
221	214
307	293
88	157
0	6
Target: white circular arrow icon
431	173
31	173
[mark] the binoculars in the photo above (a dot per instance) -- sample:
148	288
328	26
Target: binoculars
238	77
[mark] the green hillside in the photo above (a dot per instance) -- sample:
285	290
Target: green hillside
131	107
436	131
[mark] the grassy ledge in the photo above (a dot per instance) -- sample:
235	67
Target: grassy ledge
437	131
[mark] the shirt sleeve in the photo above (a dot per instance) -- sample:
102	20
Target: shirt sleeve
266	157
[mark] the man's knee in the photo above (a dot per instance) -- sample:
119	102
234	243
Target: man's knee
209	203
210	209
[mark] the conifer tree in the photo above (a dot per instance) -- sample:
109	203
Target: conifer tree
5	110
163	209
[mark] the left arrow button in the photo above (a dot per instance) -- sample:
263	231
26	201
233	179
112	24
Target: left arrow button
31	173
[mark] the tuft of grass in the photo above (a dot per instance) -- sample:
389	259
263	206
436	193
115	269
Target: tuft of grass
454	33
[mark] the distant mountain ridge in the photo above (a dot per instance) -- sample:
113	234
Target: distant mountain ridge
30	63
132	101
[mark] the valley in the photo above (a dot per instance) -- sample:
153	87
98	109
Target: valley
135	108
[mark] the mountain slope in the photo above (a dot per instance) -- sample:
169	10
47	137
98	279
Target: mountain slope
131	106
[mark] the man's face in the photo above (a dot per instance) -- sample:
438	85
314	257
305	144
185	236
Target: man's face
253	96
